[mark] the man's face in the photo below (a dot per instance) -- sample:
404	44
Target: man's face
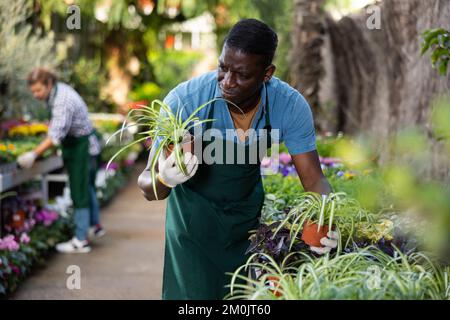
40	90
240	75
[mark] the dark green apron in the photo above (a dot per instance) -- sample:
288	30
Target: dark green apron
75	151
208	220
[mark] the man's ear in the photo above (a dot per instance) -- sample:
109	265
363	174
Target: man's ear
270	70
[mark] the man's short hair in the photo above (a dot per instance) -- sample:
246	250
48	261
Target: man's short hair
253	36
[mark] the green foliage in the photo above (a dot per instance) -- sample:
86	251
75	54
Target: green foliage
438	42
366	274
172	67
21	51
279	15
326	146
164	128
441	119
148	91
87	78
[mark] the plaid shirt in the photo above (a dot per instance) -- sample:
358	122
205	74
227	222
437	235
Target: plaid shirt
70	117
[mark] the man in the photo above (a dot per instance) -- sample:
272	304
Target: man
211	210
71	129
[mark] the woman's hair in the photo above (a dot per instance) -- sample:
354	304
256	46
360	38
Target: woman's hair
41	75
253	36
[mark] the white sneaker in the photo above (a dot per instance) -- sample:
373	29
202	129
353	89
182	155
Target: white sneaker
73	246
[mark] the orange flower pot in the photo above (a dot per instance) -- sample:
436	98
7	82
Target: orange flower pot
311	236
274	283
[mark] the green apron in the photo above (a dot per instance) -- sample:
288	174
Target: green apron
208	220
75	151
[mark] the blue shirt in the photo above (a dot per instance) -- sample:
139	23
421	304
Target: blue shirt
288	110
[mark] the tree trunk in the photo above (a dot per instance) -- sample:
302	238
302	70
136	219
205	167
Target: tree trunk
380	83
308	33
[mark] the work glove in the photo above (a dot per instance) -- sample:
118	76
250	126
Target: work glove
330	242
27	159
169	173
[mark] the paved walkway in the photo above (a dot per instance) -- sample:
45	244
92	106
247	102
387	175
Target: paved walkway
125	264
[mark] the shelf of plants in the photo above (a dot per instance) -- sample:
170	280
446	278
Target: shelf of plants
382	252
17	176
31	228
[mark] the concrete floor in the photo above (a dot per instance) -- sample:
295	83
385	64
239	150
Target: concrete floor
125	264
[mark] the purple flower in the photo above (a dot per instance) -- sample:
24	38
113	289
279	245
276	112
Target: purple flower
113	166
24	238
9	243
288	170
340	173
15	269
285	158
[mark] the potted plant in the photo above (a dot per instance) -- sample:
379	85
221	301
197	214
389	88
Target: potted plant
314	215
167	131
366	274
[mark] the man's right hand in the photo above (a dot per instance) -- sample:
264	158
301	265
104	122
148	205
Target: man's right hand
27	159
169	173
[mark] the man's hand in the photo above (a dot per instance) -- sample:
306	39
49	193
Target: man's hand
330	242
27	159
169	173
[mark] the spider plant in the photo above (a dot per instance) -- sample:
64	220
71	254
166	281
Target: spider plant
165	128
366	274
335	209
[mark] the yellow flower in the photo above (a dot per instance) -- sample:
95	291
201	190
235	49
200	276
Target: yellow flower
20	130
3	147
37	128
349	175
11	147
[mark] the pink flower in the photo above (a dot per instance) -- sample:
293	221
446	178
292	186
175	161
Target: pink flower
329	161
24	238
8	243
265	162
128	162
46	217
285	158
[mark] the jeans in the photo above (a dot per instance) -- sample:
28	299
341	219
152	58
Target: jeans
86	217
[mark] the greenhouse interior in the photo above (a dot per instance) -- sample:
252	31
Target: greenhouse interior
225	150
